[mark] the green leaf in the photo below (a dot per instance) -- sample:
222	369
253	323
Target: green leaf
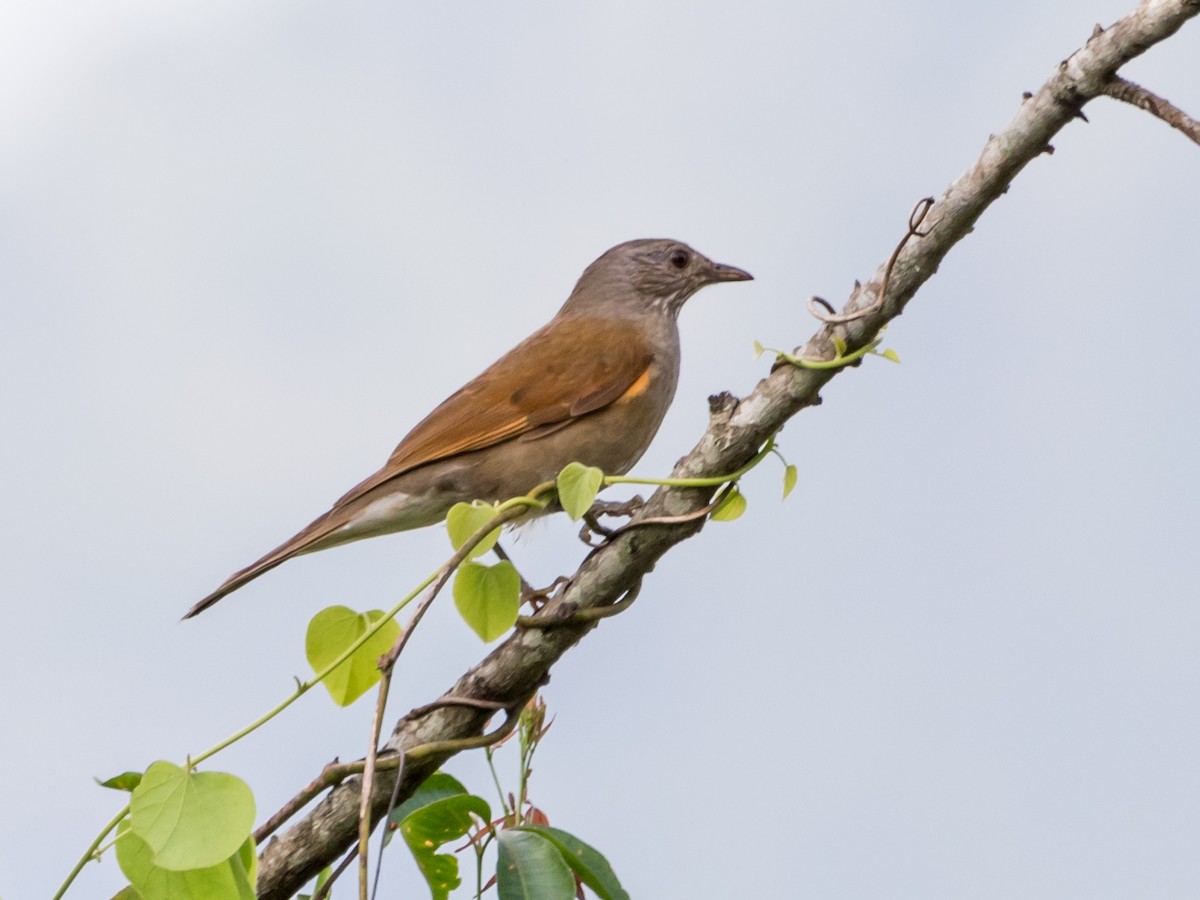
731	507
839	347
759	349
129	892
437	786
530	867
488	597
230	879
190	820
891	354
126	781
427	828
464	519
790	475
578	486
589	864
334	629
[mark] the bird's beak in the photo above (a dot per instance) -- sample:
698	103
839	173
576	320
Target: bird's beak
722	272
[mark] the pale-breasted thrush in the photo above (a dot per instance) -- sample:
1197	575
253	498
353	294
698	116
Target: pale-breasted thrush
590	386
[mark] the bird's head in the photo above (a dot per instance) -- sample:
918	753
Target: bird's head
647	275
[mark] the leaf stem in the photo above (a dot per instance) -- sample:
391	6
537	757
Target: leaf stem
305	686
496	780
90	852
504	513
712	481
835	363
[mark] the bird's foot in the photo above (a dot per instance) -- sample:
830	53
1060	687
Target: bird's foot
539	598
570	615
613	509
535	597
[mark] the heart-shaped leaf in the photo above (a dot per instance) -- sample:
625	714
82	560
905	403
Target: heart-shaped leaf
464	519
190	820
578	486
334	629
231	879
488	597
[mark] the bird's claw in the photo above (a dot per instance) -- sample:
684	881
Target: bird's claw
611	508
539	598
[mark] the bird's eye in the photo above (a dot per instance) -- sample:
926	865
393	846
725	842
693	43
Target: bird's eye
679	259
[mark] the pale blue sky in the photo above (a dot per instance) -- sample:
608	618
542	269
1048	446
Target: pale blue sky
244	247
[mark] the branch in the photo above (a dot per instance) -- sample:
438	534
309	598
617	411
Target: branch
737	430
1135	94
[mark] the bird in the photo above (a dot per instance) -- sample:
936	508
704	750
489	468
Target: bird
590	386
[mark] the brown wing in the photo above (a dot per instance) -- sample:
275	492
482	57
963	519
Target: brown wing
569	368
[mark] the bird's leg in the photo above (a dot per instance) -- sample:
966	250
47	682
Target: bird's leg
526	588
529	594
612	508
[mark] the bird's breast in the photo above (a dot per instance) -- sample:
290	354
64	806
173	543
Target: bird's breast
616	436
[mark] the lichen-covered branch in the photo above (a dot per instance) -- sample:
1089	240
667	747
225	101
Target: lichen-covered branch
514	670
1136	95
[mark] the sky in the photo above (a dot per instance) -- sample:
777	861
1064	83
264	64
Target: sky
245	247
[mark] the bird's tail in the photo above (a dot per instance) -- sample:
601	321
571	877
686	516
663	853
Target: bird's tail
310	539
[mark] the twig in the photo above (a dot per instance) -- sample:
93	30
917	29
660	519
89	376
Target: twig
336	772
441	702
332	774
398	761
90	853
387	815
668	520
1127	92
322	893
915	218
455	745
526	587
387	665
368	778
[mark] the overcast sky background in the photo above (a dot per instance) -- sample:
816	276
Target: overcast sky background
245	247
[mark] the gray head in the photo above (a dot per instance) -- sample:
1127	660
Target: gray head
647	275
